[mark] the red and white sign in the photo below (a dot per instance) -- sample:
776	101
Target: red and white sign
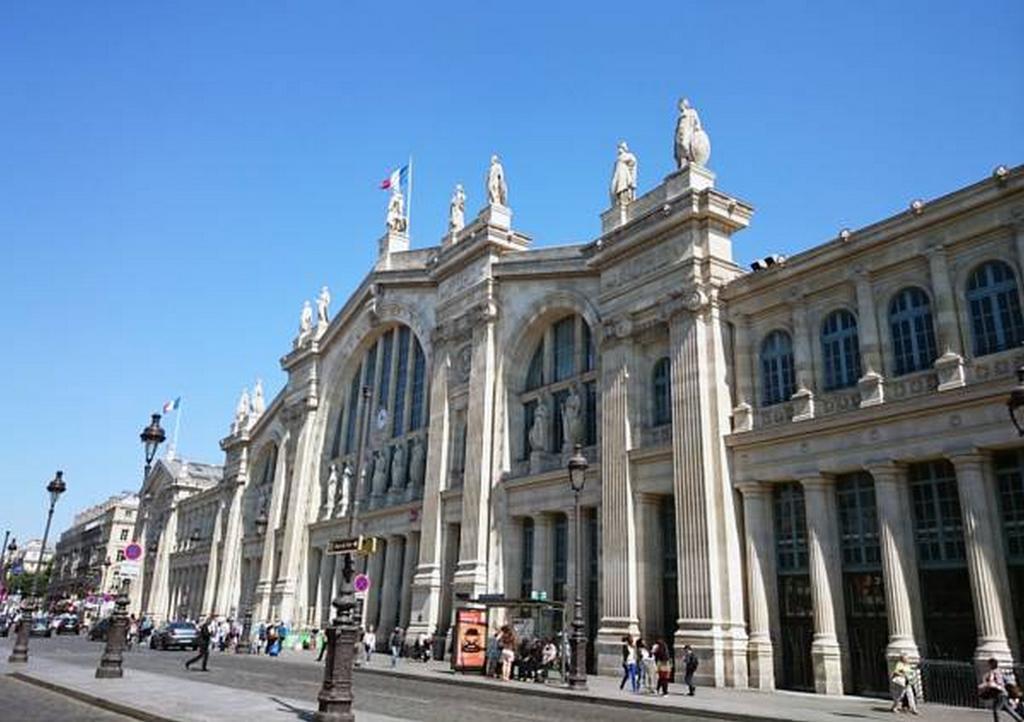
361	583
133	552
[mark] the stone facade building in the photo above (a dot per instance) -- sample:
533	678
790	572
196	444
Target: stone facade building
88	553
797	470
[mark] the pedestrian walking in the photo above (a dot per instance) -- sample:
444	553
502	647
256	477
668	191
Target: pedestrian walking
493	655
902	685
323	644
690	663
395	645
203	655
649	669
273	640
629	664
508	652
663	662
369	643
994	687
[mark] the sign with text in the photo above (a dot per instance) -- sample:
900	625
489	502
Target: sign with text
353	545
470	639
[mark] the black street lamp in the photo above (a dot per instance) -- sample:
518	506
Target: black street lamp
244	645
152	436
20	652
1015	404
578	673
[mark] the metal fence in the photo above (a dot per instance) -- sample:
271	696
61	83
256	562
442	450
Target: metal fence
954	683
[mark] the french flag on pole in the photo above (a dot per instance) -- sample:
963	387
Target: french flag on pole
396	179
172	405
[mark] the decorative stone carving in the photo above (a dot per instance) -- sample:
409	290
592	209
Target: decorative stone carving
464	363
457	212
950	369
539	435
572	419
380	471
803	404
323	302
692	143
258	405
497	189
742	417
398	467
332	490
305	324
241	422
871	389
396	220
623	190
341	508
417	463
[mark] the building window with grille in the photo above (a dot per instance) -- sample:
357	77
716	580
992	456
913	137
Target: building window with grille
996	321
840	350
526	571
661	390
913	333
124	534
778	381
560	569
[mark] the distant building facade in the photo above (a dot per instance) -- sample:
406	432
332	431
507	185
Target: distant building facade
89	553
799	471
27	557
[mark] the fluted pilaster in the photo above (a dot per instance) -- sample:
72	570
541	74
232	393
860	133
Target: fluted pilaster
761	584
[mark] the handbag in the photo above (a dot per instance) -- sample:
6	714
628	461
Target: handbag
899	680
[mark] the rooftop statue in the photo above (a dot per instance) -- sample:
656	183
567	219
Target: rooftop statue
692	142
258	404
323	302
623	189
457	211
497	189
396	221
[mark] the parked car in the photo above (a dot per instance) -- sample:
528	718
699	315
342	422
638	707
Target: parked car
40	627
175	635
68	624
98	631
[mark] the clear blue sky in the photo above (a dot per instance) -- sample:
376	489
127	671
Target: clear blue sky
176	178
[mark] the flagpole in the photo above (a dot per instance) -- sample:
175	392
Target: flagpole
408	204
177	424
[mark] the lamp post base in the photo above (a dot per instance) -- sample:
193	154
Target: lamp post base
113	655
334	703
19	655
578	673
244	645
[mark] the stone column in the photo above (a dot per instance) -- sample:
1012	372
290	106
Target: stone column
743	355
870	384
377	582
543	554
412	548
426	584
950	364
618	580
762	594
826	584
512	547
649	572
987	566
323	611
391	589
471	572
229	593
160	588
803	398
899	561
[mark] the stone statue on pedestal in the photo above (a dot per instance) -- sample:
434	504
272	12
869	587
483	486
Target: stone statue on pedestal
305	324
332	491
398	467
341	508
538	435
497	190
241	413
396	221
624	177
258	404
692	143
380	472
572	418
417	463
323	302
457	211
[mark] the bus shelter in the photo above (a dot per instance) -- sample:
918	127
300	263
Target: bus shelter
478	620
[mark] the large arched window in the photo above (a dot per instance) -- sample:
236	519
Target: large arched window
996	320
913	333
561	378
840	350
394	370
777	377
661	390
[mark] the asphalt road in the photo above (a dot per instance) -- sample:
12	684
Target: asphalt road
28	703
376	693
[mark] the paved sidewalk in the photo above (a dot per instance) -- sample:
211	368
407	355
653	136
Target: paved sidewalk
734	704
159	698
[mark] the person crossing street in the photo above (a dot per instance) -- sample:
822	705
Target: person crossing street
204	646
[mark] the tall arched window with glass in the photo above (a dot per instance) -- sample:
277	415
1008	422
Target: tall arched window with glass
661	389
913	332
394	369
561	377
994	301
840	350
778	381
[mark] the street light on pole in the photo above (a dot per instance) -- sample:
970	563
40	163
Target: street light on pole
577	478
20	652
244	645
152	436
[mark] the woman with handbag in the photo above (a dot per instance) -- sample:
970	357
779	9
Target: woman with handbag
663	662
902	683
993	687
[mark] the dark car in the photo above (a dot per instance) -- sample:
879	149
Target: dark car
175	635
40	627
98	631
68	624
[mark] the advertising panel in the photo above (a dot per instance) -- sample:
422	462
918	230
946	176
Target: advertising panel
470	639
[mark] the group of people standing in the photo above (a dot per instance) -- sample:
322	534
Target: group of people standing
648	668
511	657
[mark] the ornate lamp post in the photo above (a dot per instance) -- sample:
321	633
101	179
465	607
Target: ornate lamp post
244	645
110	662
1015	404
20	652
578	673
152	436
